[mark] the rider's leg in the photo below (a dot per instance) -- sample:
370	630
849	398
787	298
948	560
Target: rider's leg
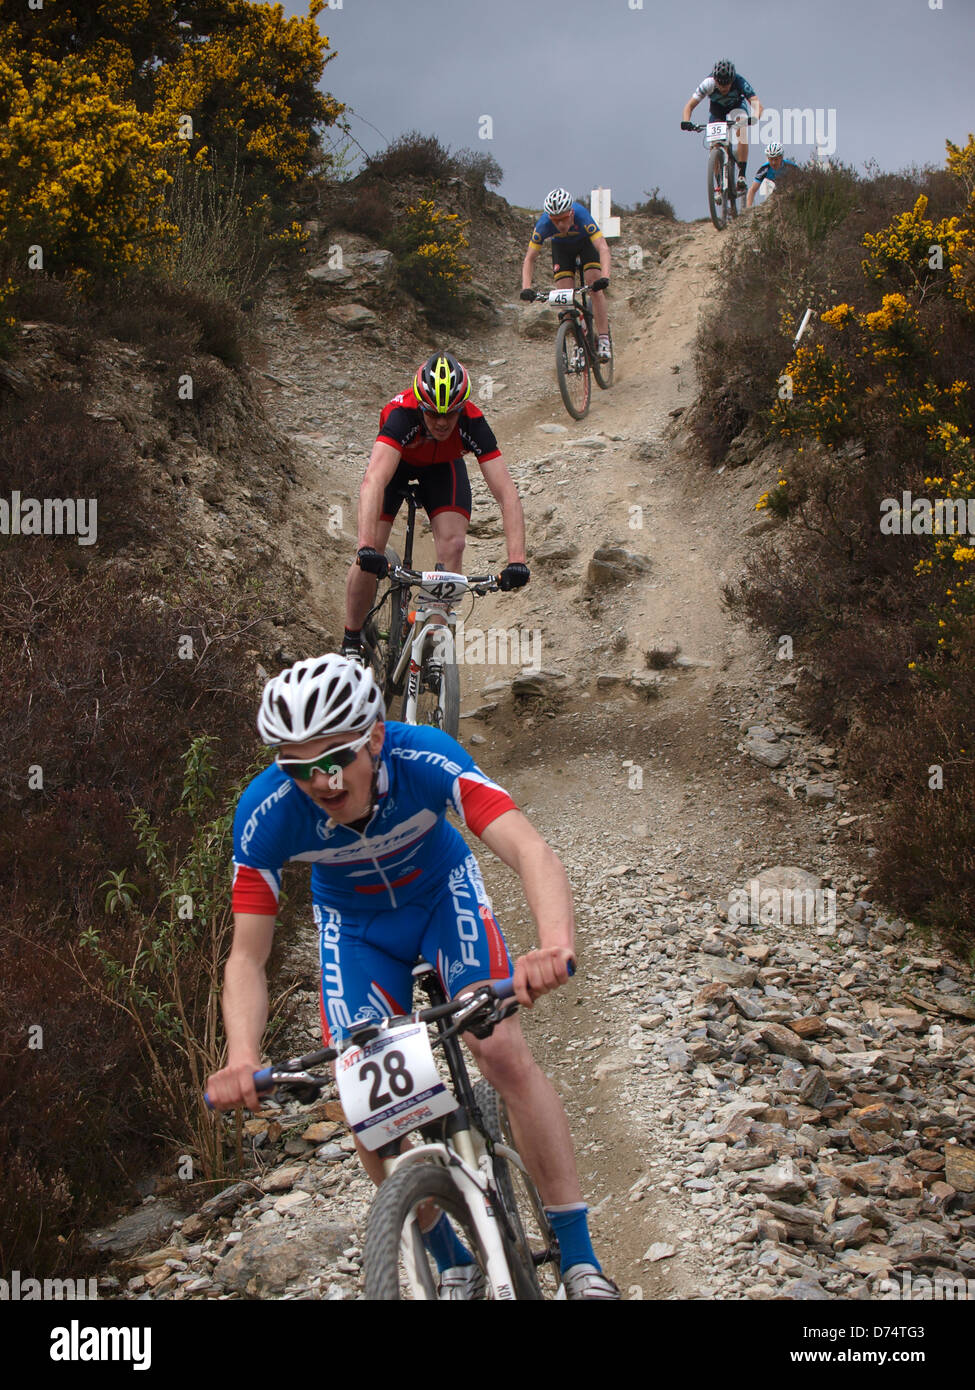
538	1118
360	587
599	310
739	119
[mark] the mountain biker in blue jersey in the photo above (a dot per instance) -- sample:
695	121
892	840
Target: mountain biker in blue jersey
774	168
732	98
574	233
363	802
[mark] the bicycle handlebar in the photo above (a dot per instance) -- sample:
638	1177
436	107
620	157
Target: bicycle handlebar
296	1071
479	583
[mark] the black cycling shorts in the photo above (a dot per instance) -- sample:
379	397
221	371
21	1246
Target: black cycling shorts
444	487
564	254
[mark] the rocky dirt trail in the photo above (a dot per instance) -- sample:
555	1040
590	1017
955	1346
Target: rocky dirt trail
761	1108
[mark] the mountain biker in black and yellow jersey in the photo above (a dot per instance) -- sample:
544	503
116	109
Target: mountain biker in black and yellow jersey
575	235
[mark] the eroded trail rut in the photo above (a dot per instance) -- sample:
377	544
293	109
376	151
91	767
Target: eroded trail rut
609	478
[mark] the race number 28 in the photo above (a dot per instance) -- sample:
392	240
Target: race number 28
398	1078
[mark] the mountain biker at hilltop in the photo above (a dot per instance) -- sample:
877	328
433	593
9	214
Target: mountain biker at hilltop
424	433
775	167
732	99
364	801
573	232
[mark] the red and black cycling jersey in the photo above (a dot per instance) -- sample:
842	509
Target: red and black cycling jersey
401	425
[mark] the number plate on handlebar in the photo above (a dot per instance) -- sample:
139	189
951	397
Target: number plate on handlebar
391	1085
717	132
560	297
442	586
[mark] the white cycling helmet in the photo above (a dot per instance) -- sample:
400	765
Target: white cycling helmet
559	200
324	695
772	149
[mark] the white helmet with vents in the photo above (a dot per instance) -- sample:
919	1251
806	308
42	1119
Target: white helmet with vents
559	200
318	697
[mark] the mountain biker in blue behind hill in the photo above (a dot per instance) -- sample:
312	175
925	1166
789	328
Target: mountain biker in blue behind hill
364	801
774	168
574	232
733	100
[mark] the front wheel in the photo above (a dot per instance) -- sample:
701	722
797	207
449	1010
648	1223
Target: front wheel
603	371
438	697
396	1263
572	365
717	177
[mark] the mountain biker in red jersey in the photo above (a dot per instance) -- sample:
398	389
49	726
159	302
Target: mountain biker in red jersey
424	433
364	802
732	98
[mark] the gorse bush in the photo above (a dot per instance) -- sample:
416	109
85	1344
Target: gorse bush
879	595
429	245
100	103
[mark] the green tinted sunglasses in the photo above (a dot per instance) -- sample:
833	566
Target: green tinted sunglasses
329	762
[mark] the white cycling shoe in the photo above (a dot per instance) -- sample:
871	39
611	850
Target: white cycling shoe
461	1282
604	351
586	1281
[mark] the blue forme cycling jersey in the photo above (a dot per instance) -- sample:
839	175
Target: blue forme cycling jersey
767	172
583	224
738	94
406	852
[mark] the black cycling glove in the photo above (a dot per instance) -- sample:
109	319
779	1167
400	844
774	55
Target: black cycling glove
372	562
527	294
687	125
601	284
513	577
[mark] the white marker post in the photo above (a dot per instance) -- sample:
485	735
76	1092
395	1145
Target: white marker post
600	205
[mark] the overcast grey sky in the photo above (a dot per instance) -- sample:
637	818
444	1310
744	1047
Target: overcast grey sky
588	92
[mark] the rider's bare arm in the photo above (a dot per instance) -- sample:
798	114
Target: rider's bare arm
515	841
502	485
605	258
379	472
528	267
244	1012
689	108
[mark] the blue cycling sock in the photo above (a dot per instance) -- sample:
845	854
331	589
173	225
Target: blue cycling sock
572	1231
442	1243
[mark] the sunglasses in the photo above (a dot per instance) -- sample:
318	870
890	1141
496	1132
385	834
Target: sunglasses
438	415
329	762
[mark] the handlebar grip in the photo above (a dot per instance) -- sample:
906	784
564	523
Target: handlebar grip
505	989
262	1082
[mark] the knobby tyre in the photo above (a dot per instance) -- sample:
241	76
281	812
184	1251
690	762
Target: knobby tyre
731	200
603	371
393	1233
572	365
533	1235
716	188
382	636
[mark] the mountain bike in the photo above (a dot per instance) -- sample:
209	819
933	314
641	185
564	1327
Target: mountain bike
577	348
466	1165
722	171
410	643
